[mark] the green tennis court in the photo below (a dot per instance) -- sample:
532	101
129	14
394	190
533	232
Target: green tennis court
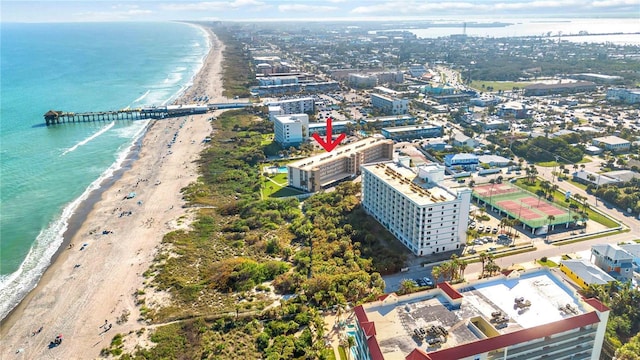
520	204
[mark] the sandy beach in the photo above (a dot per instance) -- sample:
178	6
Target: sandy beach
91	284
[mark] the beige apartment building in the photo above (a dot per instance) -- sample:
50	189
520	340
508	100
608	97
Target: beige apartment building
320	171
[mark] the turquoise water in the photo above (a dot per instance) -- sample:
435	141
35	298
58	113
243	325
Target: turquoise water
45	172
283	169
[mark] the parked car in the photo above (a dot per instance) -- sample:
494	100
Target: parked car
492	249
420	282
427	281
494	230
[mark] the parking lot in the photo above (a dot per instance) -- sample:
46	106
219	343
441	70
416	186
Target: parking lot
489	236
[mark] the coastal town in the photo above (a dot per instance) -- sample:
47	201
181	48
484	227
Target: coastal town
353	191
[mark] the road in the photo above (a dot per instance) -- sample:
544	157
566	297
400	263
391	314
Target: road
473	270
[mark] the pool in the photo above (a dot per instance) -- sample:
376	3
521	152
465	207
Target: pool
282	170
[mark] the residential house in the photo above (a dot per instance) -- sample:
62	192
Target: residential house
584	273
614	260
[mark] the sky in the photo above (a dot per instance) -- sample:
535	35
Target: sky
310	10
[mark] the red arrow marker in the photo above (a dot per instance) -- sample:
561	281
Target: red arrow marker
329	144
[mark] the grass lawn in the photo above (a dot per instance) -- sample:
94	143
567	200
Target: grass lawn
548	163
329	354
277	187
567	242
343	353
547	263
497	85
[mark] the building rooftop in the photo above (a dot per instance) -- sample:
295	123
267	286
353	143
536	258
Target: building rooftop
611	140
388	118
548	306
559	86
588	272
408	183
463	156
611	251
409	128
632	249
492	159
311	162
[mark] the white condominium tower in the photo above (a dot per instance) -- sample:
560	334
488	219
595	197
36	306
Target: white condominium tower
424	215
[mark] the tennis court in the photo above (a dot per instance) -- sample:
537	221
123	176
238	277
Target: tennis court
520	204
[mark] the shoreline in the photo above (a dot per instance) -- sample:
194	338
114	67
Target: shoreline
82	212
85	283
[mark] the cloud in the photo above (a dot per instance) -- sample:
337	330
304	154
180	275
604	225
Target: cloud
117	15
212	5
614	3
474	7
303	8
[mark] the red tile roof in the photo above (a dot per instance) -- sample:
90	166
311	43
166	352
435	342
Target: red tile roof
417	354
361	314
451	292
374	349
516	337
596	304
369	328
384	296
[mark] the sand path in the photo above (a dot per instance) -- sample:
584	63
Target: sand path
87	285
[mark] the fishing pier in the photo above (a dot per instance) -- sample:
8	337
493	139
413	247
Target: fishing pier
53	117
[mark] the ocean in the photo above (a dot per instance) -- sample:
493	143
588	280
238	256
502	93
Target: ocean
47	172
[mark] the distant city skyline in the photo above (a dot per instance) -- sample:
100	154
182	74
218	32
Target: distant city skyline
312	10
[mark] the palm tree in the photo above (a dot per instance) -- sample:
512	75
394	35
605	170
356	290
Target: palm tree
550	218
482	210
351	342
445	269
462	265
455	267
504	222
435	273
540	194
483	258
407	286
492	268
533	172
514	223
545	186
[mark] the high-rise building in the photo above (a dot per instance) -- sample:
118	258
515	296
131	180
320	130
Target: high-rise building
389	105
289	130
519	316
305	105
317	172
425	216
